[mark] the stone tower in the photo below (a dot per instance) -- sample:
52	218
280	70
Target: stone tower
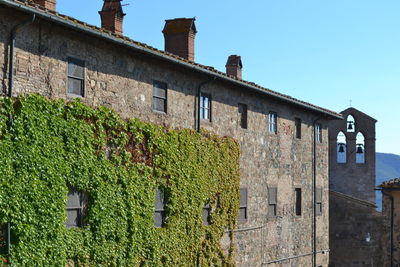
352	155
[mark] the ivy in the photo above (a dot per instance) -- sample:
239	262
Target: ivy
52	145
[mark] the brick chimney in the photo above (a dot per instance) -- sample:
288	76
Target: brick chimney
49	4
234	66
179	35
112	16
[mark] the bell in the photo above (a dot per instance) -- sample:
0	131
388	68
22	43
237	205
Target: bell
341	148
360	149
350	127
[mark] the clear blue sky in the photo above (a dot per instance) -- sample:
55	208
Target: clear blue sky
323	52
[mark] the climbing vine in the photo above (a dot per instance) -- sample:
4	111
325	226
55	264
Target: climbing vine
52	145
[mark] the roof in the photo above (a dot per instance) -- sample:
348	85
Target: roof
352	110
66	21
390	183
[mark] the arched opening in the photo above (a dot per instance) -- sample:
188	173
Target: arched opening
351	124
360	148
341	145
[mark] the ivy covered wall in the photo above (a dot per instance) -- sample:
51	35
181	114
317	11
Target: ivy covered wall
52	145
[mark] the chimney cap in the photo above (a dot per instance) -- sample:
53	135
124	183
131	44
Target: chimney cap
112	6
179	25
234	60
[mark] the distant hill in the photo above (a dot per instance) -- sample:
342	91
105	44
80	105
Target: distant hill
387	167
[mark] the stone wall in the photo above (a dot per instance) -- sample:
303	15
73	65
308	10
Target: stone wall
358	233
122	80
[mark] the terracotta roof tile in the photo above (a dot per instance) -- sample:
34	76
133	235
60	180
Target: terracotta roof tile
391	183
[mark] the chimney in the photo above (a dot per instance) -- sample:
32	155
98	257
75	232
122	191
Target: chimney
112	16
234	66
48	4
179	35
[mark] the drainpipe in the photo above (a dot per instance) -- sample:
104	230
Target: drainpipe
13	36
314	188
198	100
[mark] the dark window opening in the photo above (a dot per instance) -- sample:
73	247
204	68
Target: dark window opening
205	107
297	123
243	205
160	96
207	214
76	76
242	115
318	201
76	208
298	201
272	201
160	213
272	122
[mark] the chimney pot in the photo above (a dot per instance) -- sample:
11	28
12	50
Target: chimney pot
234	66
112	16
48	4
179	35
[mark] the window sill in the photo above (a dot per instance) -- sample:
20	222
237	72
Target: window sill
160	112
69	95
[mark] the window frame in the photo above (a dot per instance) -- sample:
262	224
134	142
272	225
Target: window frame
203	108
81	209
272	201
318	133
243	204
297	127
160	210
156	82
75	60
298	208
273	122
318	201
206	214
243	115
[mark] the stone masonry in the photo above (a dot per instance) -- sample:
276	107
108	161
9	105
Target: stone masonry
122	78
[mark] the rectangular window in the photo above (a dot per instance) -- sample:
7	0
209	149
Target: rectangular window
297	123
242	115
76	206
76	76
243	205
318	133
160	96
272	201
318	201
159	213
297	192
207	214
272	122
205	107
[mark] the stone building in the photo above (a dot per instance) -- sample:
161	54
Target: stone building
357	230
391	210
284	141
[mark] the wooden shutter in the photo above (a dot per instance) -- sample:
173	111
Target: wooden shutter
318	201
243	204
272	195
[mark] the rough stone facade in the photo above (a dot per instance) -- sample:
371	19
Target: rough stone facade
122	79
357	233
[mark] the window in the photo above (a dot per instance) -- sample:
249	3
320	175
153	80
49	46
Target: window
160	96
297	192
351	124
318	133
242	115
297	124
272	119
243	205
76	76
207	214
76	208
159	213
360	148
272	201
318	201
341	144
205	107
